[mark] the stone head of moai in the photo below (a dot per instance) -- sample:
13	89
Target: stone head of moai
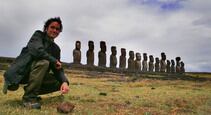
151	58
168	66
178	69
145	56
131	54
163	56
77	45
178	59
172	62
138	56
103	46
182	64
123	52
91	45
168	62
182	68
113	50
157	60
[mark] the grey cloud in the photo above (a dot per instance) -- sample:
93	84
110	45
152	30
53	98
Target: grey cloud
206	21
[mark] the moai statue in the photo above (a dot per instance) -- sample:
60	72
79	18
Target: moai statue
138	62
182	68
113	59
77	53
102	54
151	63
178	64
122	59
162	62
168	66
131	62
157	64
144	62
90	53
172	66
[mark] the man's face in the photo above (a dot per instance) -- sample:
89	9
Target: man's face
53	30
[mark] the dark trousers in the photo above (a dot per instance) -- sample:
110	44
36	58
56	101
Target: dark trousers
40	81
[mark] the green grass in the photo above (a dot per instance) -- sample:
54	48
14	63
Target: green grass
97	93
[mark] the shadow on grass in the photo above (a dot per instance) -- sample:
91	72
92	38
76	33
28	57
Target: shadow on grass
51	101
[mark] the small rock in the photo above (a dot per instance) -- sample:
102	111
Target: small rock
65	107
102	93
128	102
137	96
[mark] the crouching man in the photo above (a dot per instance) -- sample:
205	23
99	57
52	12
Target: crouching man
38	66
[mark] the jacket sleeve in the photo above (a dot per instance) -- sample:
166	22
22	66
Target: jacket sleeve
37	49
58	73
60	76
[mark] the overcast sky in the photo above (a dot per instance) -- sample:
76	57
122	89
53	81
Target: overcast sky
176	27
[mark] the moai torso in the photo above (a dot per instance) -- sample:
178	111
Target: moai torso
157	64
144	62
162	62
178	64
151	63
138	62
182	68
172	66
90	53
168	67
113	59
131	62
122	58
102	54
77	53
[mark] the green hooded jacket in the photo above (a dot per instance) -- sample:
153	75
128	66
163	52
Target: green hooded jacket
39	47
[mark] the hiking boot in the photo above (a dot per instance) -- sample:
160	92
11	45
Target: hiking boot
13	87
32	105
38	98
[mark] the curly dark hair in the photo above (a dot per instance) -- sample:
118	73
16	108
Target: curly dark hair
49	21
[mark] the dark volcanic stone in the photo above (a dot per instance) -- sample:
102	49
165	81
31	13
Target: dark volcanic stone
65	107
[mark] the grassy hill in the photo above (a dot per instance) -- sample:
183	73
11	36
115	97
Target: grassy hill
108	93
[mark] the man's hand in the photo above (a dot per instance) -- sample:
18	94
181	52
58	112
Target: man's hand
64	88
58	65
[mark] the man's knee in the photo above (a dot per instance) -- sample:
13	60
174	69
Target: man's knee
43	63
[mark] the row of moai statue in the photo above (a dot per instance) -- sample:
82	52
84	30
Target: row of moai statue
160	65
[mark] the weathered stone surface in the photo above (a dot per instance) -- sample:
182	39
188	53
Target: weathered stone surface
65	107
113	59
168	66
157	64
172	66
162	62
144	63
90	53
122	58
178	64
131	62
151	63
102	54
138	62
182	68
77	53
